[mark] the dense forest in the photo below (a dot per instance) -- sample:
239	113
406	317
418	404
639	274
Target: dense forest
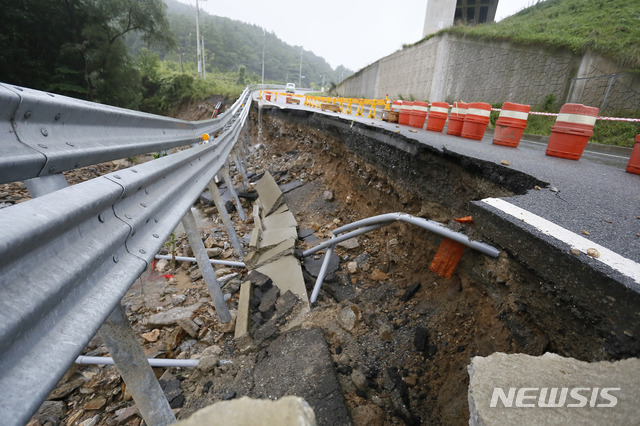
230	44
141	54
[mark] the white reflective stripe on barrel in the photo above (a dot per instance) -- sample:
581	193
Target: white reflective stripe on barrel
480	112
420	108
458	111
576	118
404	106
439	109
396	106
519	115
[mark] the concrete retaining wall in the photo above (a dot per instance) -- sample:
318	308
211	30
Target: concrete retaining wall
450	68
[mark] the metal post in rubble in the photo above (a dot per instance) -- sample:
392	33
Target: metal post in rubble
208	273
135	370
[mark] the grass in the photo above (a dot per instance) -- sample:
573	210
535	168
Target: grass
608	27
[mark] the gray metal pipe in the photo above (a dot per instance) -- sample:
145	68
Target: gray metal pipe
154	362
375	222
193	259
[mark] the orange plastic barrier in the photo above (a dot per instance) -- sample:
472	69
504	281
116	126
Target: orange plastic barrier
572	130
418	114
456	118
437	116
405	109
634	161
267	96
476	120
511	124
396	106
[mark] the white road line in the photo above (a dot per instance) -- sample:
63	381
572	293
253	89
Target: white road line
610	258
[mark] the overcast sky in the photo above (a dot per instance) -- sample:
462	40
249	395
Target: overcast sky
353	33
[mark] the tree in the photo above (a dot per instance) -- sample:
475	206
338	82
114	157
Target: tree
242	75
76	47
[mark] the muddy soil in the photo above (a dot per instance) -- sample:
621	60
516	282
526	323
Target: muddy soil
404	358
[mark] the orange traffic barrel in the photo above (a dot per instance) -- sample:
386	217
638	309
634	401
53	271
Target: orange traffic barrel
405	109
395	106
634	161
572	130
267	96
476	120
456	118
418	114
437	116
511	124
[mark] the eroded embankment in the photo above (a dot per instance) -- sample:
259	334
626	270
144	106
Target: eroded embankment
488	305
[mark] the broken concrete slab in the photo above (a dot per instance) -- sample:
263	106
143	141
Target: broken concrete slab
172	316
242	320
550	389
285	248
283	208
269	194
273	237
279	220
287	411
287	275
299	363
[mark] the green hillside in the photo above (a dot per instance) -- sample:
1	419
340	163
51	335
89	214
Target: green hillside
230	44
608	27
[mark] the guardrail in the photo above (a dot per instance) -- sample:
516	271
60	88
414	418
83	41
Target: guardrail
70	255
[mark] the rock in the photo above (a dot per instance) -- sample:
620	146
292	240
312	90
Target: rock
171	316
208	363
399	395
327	195
232	286
173	392
96	403
123	415
64	390
369	415
593	252
228	327
359	380
287	411
258	279
344	369
196	275
50	412
349	317
161	265
352	267
286	303
151	336
411	380
410	291
214	252
386	332
92	421
420	339
312	266
189	326
505	162
268	300
350	244
378	275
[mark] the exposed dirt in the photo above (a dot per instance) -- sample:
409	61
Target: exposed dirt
403	360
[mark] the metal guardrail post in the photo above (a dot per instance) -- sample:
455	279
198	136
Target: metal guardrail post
225	174
208	273
236	158
135	370
226	219
46	184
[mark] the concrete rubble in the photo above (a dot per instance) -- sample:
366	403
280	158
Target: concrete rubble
517	389
286	411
